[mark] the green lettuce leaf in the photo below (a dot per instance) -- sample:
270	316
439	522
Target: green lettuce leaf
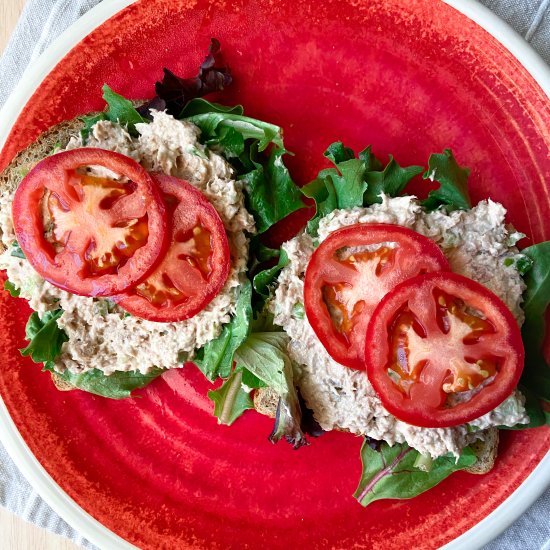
119	109
16	251
536	373
219	118
348	179
271	192
264	354
264	280
45	337
393	472
118	385
354	182
391	181
323	191
231	399
46	340
453	183
215	359
12	289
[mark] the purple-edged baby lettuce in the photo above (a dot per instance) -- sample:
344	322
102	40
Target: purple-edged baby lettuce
401	472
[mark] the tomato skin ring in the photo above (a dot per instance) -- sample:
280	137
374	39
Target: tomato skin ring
421	413
419	254
52	173
193	203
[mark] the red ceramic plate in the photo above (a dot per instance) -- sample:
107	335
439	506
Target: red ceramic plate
410	78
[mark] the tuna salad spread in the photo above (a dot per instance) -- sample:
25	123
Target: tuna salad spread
477	244
140	238
100	334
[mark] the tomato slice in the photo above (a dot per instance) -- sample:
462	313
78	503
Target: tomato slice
350	272
196	264
93	236
442	350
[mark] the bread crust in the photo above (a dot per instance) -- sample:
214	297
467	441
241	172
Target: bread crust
57	136
486	451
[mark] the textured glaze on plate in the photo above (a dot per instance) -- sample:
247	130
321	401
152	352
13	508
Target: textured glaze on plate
410	78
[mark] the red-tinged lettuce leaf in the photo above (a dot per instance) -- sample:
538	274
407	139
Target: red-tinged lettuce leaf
400	472
174	92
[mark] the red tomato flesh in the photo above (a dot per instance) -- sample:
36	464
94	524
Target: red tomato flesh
93	236
442	350
351	271
197	262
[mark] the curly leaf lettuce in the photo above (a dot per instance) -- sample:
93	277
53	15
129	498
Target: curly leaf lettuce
453	183
391	181
45	337
119	110
400	472
215	359
354	182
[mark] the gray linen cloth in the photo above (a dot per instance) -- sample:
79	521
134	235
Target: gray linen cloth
40	23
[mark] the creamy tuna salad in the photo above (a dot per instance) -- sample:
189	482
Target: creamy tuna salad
477	243
100	334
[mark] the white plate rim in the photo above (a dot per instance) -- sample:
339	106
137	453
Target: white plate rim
483	532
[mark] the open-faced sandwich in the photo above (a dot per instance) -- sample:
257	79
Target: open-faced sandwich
136	236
